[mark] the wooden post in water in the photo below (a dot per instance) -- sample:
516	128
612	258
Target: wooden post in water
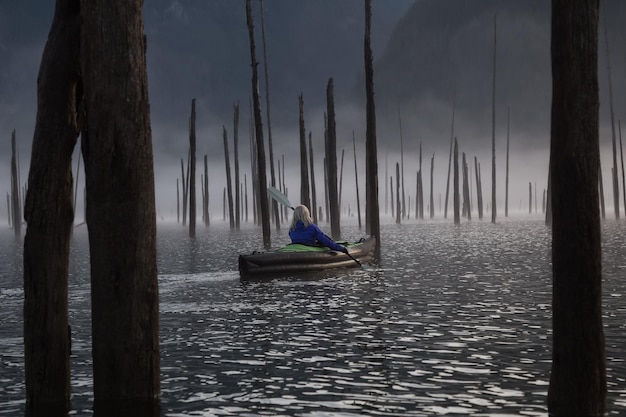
578	385
402	166
530	197
467	208
621	153
479	189
205	205
420	197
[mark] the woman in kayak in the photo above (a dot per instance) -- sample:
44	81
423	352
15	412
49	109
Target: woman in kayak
304	231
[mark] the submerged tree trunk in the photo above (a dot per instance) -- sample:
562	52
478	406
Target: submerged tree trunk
432	201
621	154
207	220
403	210
613	139
445	206
506	189
229	184
455	199
331	161
236	157
117	150
313	197
304	165
398	202
578	374
479	189
192	170
372	218
15	190
493	131
356	180
258	129
49	215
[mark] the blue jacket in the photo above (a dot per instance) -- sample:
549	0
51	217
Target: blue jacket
312	235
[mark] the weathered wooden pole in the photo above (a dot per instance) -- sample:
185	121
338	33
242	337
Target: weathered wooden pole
192	164
420	196
391	190
121	218
372	218
49	215
402	165
466	192
258	129
479	189
530	198
578	373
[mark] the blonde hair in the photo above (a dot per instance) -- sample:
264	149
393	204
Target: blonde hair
301	214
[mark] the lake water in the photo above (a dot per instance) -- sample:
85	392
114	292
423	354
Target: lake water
455	321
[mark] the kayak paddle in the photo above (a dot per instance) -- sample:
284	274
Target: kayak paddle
282	199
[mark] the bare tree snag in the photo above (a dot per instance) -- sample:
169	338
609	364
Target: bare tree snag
578	374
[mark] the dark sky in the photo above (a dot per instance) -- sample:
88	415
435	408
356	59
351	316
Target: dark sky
199	49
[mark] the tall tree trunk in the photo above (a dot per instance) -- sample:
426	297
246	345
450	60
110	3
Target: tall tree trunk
578	374
313	197
432	198
466	191
331	160
117	150
506	189
372	218
258	129
49	215
479	190
493	131
15	190
530	198
236	155
356	180
192	167
613	139
229	184
621	153
304	165
207	220
455	197
402	166
420	197
268	118
398	202
445	206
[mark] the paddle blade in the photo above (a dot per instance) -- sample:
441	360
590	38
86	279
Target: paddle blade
278	196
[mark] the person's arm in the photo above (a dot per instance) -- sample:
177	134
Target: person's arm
327	241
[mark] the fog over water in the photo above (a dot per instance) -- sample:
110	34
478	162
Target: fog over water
426	52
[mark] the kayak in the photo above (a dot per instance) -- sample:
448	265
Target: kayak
297	257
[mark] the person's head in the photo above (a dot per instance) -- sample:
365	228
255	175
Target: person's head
301	214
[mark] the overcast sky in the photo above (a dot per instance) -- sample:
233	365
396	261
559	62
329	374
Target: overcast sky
199	49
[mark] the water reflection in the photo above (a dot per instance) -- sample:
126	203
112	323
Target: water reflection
455	321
